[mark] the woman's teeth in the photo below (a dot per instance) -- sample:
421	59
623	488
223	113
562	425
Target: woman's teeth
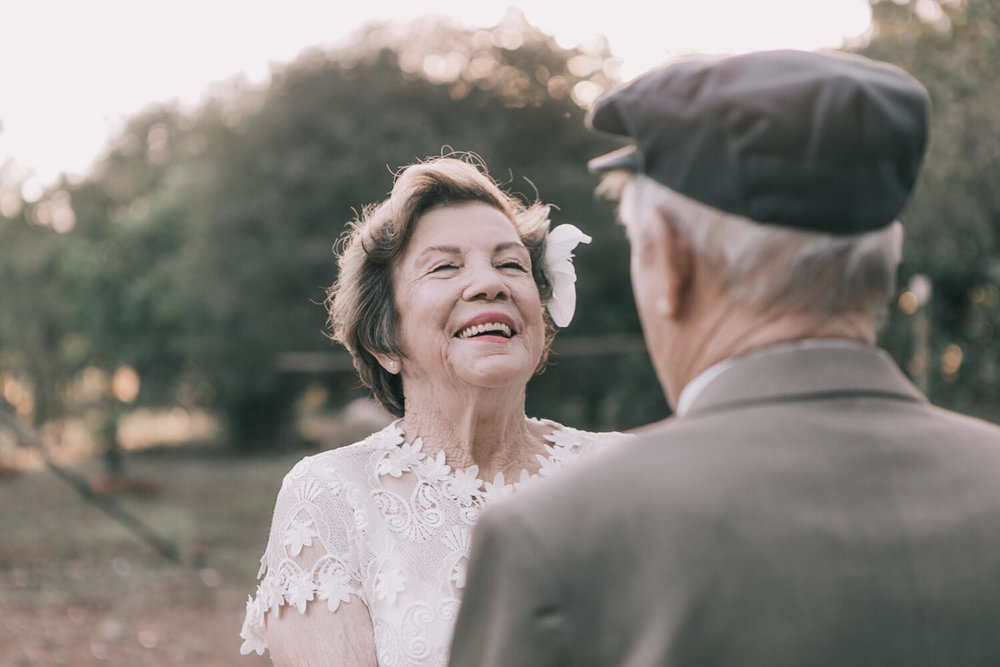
477	329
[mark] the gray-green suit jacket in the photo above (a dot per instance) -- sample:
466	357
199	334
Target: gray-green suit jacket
811	508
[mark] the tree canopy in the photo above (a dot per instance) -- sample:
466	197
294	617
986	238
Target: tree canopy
197	253
952	222
202	245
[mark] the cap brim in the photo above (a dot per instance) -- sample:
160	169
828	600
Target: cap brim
623	158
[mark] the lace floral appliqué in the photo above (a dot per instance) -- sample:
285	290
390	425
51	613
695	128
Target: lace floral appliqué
390	525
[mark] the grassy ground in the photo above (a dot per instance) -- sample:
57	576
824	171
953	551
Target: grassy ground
77	589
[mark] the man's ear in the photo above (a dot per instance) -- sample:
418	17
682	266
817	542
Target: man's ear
675	268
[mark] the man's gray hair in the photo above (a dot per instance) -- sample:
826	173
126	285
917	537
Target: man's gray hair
763	265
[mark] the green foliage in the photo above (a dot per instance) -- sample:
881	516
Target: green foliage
200	248
953	221
321	144
34	341
202	243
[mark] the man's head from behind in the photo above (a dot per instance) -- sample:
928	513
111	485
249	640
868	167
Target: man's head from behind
760	196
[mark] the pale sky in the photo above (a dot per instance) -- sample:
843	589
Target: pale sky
71	71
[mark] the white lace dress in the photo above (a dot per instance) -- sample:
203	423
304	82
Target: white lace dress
385	522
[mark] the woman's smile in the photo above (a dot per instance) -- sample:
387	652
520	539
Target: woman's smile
466	274
491	326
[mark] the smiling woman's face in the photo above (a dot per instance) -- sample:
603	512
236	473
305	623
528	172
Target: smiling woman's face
469	310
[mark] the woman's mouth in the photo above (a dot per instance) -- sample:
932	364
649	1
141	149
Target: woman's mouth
485	329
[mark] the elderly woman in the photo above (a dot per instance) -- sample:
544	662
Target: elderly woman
440	300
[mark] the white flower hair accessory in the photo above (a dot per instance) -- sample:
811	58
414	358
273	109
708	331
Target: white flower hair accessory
558	264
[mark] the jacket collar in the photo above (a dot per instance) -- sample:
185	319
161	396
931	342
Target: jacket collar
795	372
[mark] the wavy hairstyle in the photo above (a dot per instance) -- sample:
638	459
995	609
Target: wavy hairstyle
361	304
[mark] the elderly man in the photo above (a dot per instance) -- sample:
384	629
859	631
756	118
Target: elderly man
806	505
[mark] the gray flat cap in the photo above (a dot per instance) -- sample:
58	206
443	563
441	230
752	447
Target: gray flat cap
828	142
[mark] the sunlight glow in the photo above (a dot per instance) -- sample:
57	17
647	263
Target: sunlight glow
585	92
951	361
985	295
908	302
56	212
125	384
145	427
17	394
84	68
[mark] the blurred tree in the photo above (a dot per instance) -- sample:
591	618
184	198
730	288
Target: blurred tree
86	283
953	221
199	248
288	165
130	226
35	351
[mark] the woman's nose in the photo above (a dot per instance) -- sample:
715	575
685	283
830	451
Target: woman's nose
487	283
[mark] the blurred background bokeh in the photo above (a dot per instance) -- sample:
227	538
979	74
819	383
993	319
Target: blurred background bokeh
162	352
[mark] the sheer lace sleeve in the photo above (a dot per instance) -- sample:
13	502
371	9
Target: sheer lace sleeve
313	557
318	638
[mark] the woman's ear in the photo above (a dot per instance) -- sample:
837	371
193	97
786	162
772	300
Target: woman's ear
389	363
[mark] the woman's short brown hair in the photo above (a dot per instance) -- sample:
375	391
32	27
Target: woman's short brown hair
361	303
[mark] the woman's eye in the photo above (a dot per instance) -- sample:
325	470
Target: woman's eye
513	265
443	267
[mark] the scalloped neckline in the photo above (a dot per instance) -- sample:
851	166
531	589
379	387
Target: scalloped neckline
395	440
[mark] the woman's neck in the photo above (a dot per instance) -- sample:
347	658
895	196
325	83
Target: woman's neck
486	428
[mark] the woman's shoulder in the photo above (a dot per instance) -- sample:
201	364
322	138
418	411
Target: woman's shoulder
560	435
347	460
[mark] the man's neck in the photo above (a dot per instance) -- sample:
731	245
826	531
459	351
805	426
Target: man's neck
728	332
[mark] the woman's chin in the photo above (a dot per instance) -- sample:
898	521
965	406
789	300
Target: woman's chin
497	372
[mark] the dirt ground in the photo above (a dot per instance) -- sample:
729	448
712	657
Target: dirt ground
77	588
